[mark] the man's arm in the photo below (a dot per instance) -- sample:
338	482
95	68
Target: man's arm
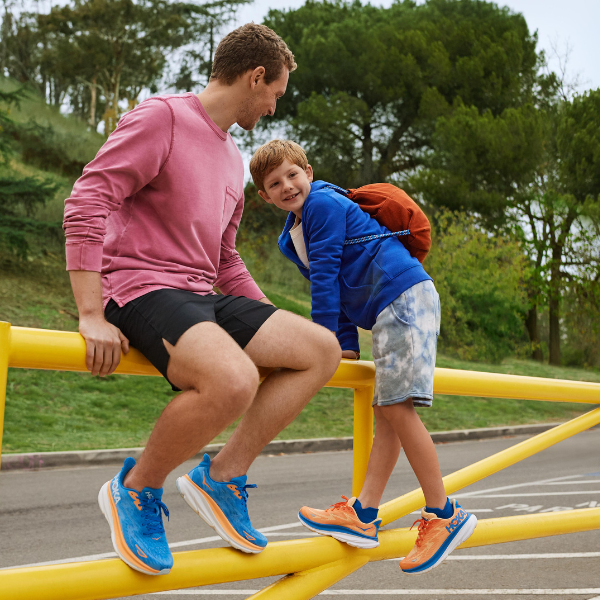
131	157
103	341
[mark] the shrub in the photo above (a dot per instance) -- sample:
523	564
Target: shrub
481	282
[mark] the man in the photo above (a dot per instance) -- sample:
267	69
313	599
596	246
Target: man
150	229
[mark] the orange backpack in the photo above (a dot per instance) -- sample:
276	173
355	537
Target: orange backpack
395	209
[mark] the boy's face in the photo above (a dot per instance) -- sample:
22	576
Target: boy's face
287	187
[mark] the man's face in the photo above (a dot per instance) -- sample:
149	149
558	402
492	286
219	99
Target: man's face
287	187
262	100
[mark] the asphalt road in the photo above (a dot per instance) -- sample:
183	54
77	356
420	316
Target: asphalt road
53	516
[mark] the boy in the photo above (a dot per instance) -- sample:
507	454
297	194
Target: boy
374	285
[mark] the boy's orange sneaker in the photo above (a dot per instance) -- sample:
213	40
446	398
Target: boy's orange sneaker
437	538
341	522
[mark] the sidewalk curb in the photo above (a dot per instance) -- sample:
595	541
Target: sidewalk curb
33	461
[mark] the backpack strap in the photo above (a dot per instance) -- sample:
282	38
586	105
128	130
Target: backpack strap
368	238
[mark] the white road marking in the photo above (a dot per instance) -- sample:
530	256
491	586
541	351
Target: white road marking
471	510
570	482
205	540
517	556
469	592
517	495
518	485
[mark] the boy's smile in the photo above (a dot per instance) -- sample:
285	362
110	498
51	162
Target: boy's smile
287	187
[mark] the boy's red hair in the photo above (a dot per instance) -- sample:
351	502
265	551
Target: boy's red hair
271	155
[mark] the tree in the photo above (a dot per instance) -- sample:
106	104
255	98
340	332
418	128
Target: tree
535	171
96	53
371	81
19	196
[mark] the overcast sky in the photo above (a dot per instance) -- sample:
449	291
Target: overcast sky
559	23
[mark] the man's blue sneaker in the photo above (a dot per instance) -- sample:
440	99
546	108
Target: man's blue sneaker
223	506
136	527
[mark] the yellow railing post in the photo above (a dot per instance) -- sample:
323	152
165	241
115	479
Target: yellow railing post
4	354
363	436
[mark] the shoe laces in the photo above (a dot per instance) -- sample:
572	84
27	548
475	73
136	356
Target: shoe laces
423	525
343	506
151	515
242	489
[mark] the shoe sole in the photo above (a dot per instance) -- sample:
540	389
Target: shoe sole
347	538
208	510
109	511
465	532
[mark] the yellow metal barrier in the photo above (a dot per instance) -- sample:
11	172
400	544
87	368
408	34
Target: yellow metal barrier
309	565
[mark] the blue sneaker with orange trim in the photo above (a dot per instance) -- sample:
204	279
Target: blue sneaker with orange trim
223	506
136	526
437	538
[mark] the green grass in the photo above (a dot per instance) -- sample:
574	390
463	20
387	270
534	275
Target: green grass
48	410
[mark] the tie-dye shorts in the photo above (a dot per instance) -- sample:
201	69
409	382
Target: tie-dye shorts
404	347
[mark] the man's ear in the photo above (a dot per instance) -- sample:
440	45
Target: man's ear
309	173
256	75
265	197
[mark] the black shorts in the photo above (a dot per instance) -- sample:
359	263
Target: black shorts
169	313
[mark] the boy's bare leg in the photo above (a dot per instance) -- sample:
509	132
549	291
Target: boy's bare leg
383	459
223	385
307	356
419	449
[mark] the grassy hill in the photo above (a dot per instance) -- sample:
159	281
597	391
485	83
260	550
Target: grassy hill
48	410
66	411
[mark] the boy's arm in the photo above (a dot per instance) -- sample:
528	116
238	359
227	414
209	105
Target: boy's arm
325	220
347	336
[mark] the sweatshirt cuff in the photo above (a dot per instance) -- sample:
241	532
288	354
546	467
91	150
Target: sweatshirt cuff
84	257
328	321
248	289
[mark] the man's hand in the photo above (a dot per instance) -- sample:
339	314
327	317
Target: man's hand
103	344
350	354
103	341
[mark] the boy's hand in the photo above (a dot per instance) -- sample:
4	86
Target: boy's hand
350	354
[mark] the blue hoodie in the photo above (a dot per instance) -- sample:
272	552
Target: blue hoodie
350	285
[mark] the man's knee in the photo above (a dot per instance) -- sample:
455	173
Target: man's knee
237	386
232	385
327	352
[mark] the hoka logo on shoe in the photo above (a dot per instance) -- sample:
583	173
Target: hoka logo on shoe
249	536
140	552
204	482
115	490
456	521
235	490
136	500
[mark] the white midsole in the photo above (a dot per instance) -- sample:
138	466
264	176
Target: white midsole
199	505
347	538
465	532
105	507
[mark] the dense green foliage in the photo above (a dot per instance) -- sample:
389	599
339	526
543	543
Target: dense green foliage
480	280
92	54
371	81
446	98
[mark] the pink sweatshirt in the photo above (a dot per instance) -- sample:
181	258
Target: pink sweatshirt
160	205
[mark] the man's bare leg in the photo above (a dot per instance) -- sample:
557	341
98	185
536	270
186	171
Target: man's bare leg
222	385
307	356
220	382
